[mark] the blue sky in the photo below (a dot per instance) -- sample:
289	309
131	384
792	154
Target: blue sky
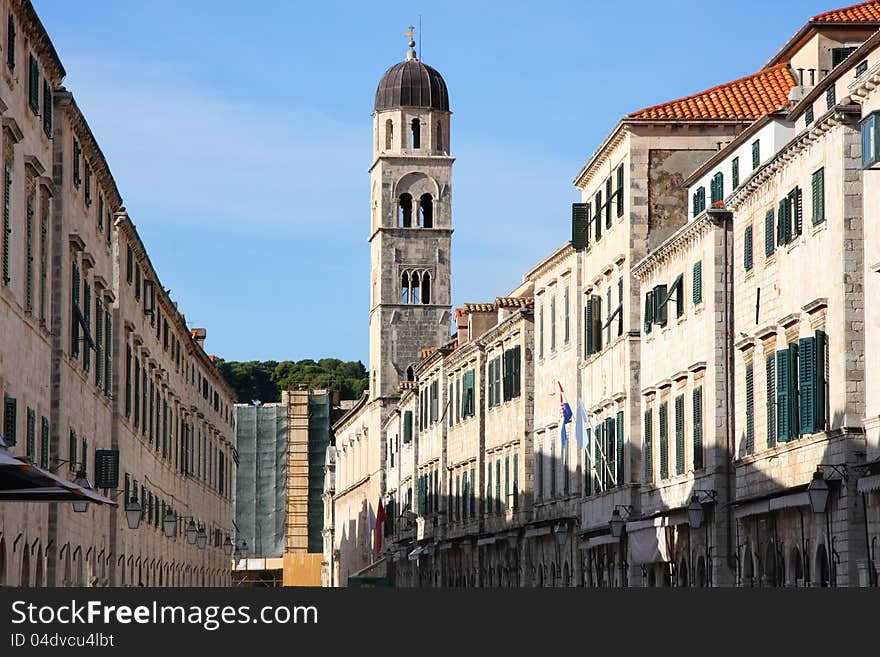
239	135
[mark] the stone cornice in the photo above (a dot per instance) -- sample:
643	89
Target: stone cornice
40	41
551	261
837	115
680	241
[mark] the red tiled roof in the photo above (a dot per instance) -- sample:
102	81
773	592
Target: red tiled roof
864	12
514	302
750	97
479	307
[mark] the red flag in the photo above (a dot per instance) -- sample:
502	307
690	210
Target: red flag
381	517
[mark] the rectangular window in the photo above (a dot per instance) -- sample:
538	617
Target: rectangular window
660	297
552	470
34	85
29	257
129	265
10	42
664	441
771	399
783	222
648	447
747	248
31	435
756	154
541	331
717	188
77	158
137	281
515	500
108	341
127	381
72	444
818	197
498	498
608	196
795	198
44	258
808	115
86	318
769	237
489	504
699	200
566	320
831	97
88	185
539	472
679	435
861	67
597	207
649	311
734	173
74	310
552	324
44	443
99	339
698	282
749	446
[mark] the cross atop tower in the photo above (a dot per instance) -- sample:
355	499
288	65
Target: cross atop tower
410	34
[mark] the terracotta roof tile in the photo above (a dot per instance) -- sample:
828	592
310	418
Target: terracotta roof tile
864	12
514	302
479	307
750	97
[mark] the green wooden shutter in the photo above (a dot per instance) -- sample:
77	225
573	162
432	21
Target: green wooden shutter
648	448
498	499
515	480
588	460
806	384
491	386
819	385
621	471
610	452
769	237
10	420
44	443
580	226
750	410
664	441
31	435
734	173
619	191
747	248
783	372
74	311
649	311
678	286
797	210
488	508
771	400
660	299
818	197
698	428
780	223
34	85
72	444
407	426
516	360
471	396
107	468
588	322
793	415
108	347
598	460
698	282
608	195
598	215
679	434
756	153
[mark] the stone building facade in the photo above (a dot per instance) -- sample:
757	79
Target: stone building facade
707	328
99	372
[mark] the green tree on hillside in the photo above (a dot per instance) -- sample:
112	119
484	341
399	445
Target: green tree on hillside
264	380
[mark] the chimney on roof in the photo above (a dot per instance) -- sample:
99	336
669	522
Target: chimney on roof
199	335
461	325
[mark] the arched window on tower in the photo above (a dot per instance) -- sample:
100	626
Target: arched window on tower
414	296
404	288
438	137
410	374
426	211
389	134
416	134
426	288
405	211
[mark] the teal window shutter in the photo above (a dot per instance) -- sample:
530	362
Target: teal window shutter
407	426
44	443
597	459
610	453
649	311
769	236
750	410
818	197
588	328
747	248
608	195
498	504
793	415
660	299
819	385
488	487
734	173
806	384
515	480
491	386
698	428
31	435
580	227
756	153
648	448
619	191
679	434
620	444
664	441
771	400
698	282
717	188
783	371
598	215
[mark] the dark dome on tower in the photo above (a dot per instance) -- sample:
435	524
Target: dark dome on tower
412	84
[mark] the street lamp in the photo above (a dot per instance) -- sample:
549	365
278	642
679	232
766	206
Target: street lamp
244	549
191	531
818	491
228	547
81	506
561	532
202	537
695	512
133	512
616	523
169	523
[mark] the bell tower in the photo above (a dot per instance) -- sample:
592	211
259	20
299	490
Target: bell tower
410	221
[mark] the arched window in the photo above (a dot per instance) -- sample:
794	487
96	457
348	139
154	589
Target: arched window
38	568
438	146
416	134
426	288
565	575
426	211
389	134
410	374
405	211
404	288
823	572
683	573
414	296
701	573
748	575
122	572
797	568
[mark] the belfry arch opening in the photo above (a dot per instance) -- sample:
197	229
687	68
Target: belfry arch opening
426	211
426	288
416	134
404	288
404	211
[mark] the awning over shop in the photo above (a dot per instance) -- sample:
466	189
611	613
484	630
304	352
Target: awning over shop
759	507
22	481
868	484
537	531
486	541
604	539
647	545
